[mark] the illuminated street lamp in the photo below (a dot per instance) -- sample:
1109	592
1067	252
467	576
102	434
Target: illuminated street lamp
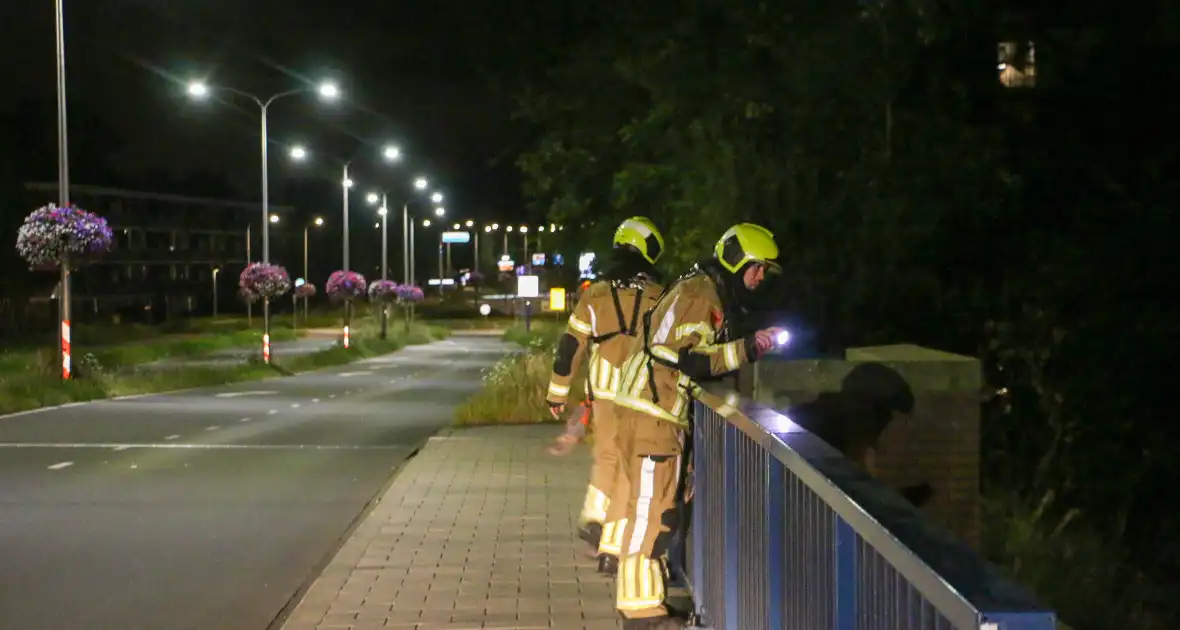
421	183
327	91
437	197
440	212
298	153
317	222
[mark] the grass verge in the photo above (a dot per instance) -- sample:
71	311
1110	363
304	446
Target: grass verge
43	361
514	389
27	392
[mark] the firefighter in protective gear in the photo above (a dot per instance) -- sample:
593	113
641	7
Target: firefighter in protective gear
685	339
607	317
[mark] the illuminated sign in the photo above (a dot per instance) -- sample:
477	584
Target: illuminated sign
299	282
456	237
506	265
557	299
539	259
585	265
528	286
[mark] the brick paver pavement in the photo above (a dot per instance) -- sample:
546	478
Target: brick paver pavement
476	531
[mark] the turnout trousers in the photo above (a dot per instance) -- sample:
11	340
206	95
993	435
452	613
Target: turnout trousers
644	511
604	470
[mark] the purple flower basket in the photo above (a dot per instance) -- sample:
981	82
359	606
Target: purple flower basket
51	234
264	280
305	290
409	293
382	291
346	285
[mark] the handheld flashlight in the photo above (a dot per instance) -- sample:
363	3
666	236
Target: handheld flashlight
782	338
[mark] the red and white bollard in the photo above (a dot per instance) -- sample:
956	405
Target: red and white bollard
66	368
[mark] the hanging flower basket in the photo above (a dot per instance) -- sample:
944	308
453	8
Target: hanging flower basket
51	234
408	293
383	291
305	290
265	280
346	285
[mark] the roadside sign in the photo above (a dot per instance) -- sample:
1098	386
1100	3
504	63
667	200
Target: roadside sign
506	265
528	286
456	237
557	299
539	259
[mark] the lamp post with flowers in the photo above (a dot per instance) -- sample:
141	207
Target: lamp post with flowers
327	91
266	281
62	238
346	286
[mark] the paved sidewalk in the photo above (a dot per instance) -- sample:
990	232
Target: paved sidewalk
477	531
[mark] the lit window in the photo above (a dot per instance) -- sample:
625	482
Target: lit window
1017	64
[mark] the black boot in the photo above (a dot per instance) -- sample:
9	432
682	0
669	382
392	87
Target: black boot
592	534
608	564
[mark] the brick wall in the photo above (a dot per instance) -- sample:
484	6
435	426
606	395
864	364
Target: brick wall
934	439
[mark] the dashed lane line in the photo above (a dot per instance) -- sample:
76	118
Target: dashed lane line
173	436
197	446
60	465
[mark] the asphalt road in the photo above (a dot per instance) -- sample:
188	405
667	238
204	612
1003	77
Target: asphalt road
208	509
228	357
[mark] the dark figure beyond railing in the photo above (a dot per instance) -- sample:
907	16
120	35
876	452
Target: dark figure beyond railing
787	533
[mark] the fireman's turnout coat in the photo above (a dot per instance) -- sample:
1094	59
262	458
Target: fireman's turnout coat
678	346
604	323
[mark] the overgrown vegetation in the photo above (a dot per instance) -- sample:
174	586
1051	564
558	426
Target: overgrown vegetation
916	199
22	392
514	389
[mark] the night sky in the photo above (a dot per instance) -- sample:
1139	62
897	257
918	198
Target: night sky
408	71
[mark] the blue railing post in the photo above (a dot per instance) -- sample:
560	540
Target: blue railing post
731	525
700	521
846	579
776	529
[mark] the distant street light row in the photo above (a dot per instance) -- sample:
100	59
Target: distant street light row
391	153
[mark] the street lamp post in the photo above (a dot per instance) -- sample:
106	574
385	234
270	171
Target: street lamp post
328	91
524	237
63	191
383	212
319	222
215	270
249	304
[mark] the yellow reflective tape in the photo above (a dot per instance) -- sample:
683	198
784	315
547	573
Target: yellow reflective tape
558	390
732	362
578	325
665	353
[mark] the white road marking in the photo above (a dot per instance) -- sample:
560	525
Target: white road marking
60	465
173	436
331	395
212	428
122	447
315	400
244	420
199	446
249	393
294	405
272	412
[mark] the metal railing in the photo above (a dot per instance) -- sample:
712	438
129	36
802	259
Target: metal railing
787	534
